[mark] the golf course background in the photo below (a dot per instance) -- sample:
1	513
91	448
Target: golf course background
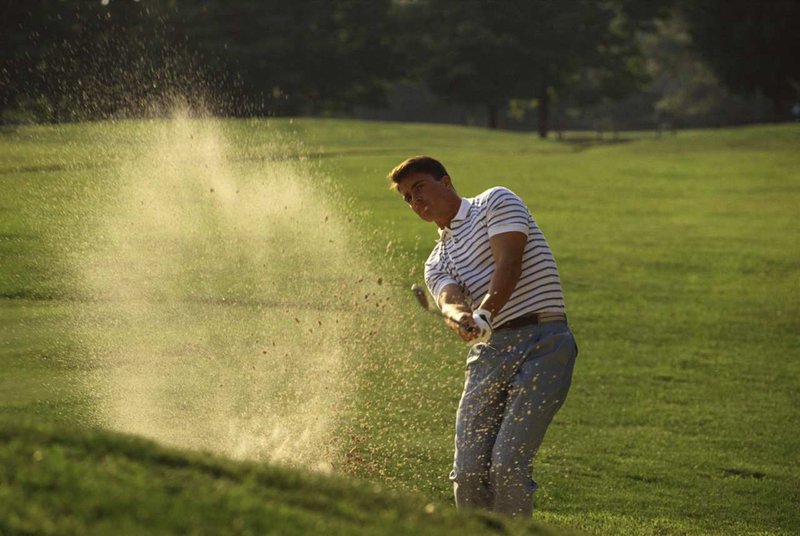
169	278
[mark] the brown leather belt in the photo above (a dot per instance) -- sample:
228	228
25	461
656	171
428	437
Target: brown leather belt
531	320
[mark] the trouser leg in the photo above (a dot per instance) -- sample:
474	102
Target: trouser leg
538	390
478	420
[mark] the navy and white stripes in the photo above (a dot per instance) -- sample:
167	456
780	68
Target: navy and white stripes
462	256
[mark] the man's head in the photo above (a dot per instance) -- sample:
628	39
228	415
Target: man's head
426	187
417	164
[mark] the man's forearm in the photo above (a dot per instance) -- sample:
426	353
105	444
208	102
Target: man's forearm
452	301
504	280
507	250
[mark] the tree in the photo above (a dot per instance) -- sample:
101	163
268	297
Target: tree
487	53
76	59
751	46
71	59
278	57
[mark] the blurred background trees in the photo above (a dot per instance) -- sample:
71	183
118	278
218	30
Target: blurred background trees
753	47
490	53
517	64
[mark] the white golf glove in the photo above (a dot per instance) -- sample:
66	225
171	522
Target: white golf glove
483	319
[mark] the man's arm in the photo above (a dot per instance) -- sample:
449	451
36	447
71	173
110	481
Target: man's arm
457	313
507	250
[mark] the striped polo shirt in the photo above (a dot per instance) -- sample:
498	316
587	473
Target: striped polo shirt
462	256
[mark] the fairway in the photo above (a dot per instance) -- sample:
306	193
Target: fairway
242	287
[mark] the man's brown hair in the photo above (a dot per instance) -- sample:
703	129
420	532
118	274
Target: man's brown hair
417	164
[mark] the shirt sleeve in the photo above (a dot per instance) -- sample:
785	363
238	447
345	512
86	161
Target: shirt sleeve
436	275
506	212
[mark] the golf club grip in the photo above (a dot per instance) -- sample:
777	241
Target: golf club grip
468	329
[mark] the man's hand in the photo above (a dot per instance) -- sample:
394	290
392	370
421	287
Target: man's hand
458	317
471	326
483	320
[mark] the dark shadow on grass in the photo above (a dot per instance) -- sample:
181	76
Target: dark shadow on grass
17	237
644	478
27	294
299	156
32	295
583	143
50	168
743	473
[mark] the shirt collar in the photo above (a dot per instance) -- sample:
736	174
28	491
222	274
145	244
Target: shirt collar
463	210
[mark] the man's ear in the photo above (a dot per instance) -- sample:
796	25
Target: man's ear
446	181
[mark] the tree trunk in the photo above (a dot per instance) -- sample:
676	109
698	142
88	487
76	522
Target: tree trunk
493	113
777	106
544	112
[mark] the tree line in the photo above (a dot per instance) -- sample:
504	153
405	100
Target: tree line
77	59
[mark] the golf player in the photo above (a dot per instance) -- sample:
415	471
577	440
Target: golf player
495	280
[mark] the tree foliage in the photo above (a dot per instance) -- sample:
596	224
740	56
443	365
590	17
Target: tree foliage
489	53
299	56
74	58
751	46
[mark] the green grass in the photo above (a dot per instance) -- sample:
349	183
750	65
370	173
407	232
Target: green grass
59	481
681	268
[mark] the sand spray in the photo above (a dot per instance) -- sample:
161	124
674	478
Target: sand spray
225	298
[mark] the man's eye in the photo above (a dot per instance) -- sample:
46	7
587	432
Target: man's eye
407	198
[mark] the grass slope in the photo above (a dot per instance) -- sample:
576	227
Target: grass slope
55	480
681	269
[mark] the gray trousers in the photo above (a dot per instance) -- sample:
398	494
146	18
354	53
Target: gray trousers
514	386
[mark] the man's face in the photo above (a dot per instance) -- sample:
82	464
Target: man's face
425	195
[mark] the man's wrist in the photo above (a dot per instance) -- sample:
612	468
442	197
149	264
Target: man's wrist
456	308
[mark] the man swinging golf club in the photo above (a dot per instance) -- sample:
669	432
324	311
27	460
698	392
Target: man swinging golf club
495	280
